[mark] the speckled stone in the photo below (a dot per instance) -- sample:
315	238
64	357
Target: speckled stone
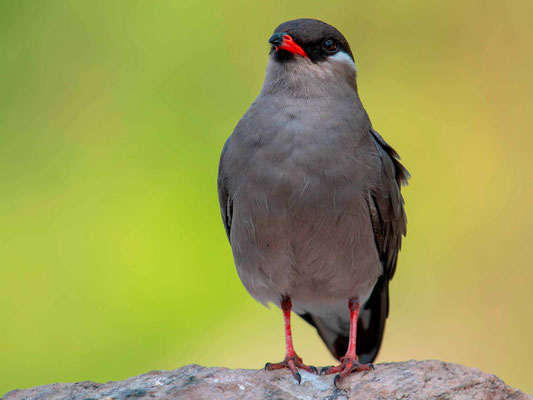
405	380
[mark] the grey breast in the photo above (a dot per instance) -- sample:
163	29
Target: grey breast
297	171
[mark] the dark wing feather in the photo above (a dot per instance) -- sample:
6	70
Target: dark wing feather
386	206
226	203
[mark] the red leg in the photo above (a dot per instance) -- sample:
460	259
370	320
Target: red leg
292	361
349	362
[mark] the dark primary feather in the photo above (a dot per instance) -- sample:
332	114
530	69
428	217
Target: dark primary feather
386	206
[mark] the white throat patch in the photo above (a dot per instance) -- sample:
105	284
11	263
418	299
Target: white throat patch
342	56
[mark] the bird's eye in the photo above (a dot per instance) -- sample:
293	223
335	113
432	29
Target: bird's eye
330	45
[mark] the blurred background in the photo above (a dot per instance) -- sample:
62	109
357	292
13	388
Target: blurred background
113	258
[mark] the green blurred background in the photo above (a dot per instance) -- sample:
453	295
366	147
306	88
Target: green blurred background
113	258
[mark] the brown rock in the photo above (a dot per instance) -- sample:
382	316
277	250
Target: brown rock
405	380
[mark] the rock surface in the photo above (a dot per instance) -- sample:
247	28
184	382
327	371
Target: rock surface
405	380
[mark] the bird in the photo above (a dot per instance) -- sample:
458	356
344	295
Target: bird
310	197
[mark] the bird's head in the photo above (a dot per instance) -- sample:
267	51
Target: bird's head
309	50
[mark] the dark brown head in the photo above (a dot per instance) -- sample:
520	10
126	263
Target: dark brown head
308	38
310	58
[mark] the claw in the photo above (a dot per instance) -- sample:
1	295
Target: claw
315	371
336	381
323	370
266	366
298	377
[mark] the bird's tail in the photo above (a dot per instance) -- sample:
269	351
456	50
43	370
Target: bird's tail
370	326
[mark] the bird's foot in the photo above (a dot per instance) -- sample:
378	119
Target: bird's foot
346	367
293	363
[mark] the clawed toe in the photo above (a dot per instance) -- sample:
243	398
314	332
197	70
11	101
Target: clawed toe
347	367
292	363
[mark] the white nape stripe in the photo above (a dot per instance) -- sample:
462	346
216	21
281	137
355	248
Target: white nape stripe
344	57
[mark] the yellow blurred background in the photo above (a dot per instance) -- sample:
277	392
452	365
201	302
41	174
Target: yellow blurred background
113	258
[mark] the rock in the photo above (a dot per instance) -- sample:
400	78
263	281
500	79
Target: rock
404	380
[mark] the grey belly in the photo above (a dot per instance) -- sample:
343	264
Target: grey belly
309	239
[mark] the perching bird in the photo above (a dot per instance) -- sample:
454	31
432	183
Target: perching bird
310	198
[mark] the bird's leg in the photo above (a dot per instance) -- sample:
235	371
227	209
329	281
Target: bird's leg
292	361
349	362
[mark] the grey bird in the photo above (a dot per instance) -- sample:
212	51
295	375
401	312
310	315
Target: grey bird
310	198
